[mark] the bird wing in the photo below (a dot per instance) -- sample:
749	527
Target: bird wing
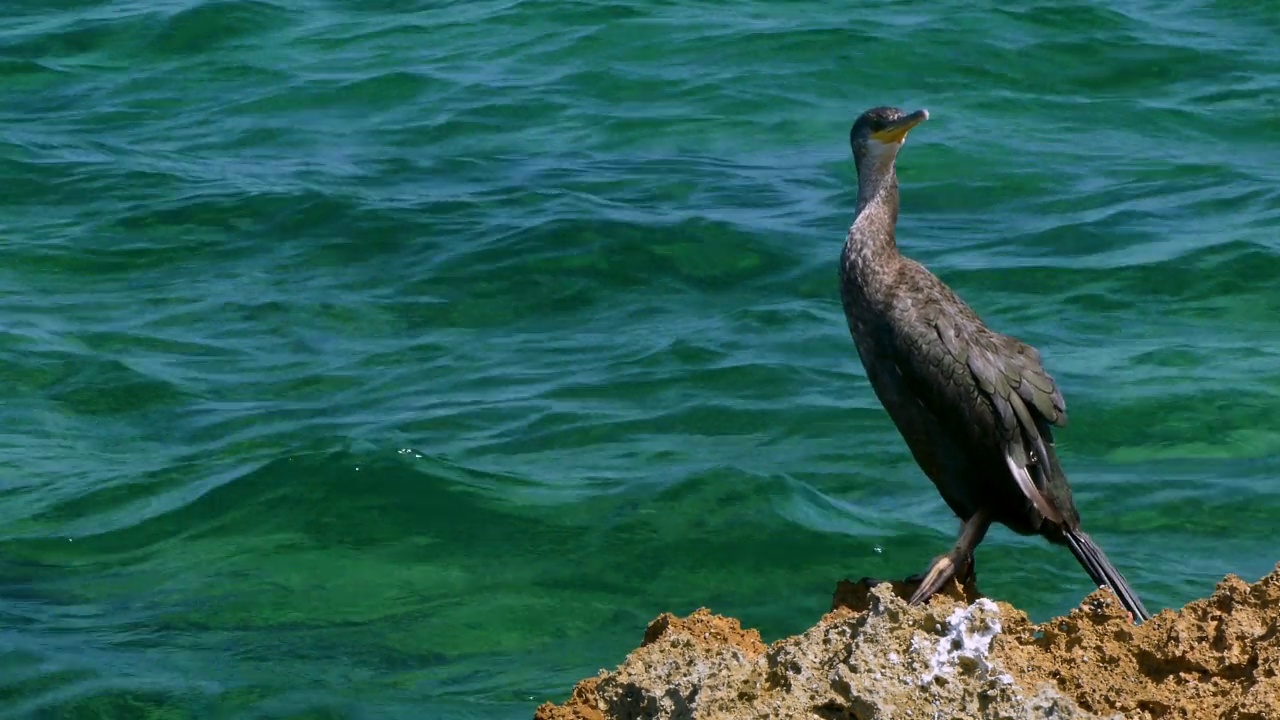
981	384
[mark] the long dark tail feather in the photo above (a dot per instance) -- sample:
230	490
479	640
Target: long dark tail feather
1095	563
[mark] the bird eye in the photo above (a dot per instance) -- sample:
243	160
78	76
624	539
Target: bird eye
877	125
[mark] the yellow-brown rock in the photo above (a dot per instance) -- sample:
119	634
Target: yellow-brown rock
961	656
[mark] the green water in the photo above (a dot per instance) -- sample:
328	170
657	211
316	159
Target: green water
402	360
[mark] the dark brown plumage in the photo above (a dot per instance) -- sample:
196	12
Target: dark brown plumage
975	407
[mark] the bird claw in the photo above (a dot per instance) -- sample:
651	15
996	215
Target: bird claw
942	570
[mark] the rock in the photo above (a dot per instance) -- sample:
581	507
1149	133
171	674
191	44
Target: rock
962	655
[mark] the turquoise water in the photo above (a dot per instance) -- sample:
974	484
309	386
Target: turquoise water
402	360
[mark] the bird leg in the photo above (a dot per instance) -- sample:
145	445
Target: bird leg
970	572
944	567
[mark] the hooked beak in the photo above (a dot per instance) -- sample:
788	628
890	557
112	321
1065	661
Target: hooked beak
897	131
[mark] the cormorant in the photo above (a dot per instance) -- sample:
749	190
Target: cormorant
975	407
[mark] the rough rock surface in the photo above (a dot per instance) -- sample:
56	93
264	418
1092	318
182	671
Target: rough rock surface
962	655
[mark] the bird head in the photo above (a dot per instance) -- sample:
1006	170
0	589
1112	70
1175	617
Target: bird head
878	133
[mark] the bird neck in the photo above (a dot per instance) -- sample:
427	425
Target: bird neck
871	237
878	186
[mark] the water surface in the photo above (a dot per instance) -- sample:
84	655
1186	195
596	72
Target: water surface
402	360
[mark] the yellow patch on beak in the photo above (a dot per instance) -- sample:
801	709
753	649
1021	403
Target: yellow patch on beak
897	131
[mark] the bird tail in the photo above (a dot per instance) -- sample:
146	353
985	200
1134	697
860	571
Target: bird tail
1095	563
